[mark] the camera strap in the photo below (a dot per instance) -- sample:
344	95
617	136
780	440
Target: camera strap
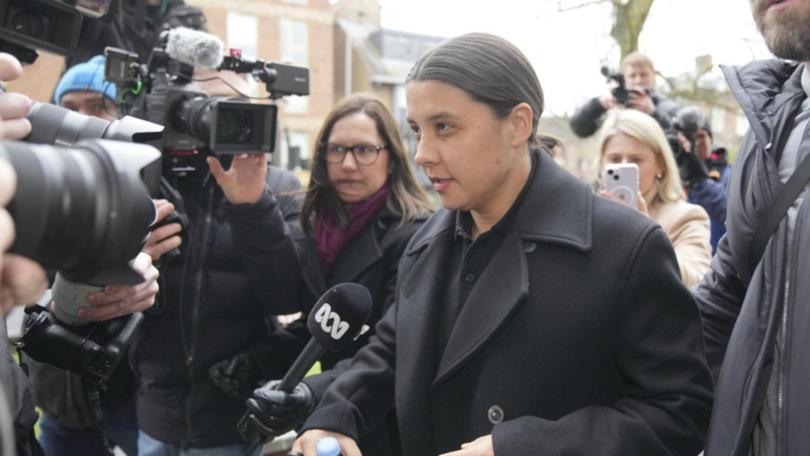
773	214
93	393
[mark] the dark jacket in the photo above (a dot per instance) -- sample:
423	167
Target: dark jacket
578	338
17	413
216	300
711	196
743	306
369	259
589	117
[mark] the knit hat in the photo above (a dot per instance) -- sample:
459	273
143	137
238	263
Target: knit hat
87	76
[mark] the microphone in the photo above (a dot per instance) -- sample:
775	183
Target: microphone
337	319
194	47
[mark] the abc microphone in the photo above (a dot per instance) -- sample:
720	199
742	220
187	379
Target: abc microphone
336	320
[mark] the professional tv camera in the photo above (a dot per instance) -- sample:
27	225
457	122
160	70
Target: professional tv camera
52	25
161	91
620	92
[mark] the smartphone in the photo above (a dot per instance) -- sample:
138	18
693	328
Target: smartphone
621	180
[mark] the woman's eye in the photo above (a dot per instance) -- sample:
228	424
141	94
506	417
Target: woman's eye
441	126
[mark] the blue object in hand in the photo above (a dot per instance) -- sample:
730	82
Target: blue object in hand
328	446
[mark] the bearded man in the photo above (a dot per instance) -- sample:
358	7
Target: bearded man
756	303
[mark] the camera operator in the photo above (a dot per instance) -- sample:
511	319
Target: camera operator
639	79
692	152
218	296
68	424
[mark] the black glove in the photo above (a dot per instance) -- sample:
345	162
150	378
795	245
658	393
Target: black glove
275	412
236	376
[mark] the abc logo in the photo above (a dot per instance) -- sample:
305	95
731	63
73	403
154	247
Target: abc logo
331	322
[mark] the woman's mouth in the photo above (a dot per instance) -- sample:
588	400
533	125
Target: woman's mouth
440	184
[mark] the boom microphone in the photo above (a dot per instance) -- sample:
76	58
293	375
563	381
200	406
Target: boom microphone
336	320
194	47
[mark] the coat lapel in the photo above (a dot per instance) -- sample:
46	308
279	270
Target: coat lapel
503	285
312	272
419	294
556	211
360	253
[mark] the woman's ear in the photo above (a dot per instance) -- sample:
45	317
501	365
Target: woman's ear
520	121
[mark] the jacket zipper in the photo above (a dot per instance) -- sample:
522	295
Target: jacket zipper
197	302
787	295
780	392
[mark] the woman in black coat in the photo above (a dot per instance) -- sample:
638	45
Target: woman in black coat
531	317
362	206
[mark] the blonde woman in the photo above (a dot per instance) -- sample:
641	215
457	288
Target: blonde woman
630	136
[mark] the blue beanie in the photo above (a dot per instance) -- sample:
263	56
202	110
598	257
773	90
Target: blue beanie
85	76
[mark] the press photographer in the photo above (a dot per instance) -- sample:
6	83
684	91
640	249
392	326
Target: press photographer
218	294
48	199
70	422
634	88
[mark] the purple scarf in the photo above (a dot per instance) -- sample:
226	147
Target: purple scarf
331	239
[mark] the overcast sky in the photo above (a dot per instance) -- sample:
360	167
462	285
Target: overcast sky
567	48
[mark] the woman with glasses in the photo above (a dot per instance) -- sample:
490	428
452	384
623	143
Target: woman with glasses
362	206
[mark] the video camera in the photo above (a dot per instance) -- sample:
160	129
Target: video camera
52	25
161	91
620	91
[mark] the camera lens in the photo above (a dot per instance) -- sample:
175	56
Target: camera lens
28	23
84	211
233	126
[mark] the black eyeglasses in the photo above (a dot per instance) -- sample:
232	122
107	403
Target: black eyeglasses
364	154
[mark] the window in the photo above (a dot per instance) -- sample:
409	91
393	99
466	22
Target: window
297	146
295	51
242	33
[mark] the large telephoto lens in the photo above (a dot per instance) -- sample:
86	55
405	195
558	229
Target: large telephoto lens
227	125
84	211
56	125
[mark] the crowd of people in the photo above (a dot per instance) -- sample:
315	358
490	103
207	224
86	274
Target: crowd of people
524	314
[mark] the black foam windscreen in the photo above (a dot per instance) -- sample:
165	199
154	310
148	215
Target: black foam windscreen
339	315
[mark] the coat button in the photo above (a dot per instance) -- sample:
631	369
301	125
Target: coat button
469	278
529	247
495	414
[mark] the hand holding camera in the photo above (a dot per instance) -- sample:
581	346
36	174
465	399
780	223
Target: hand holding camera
640	100
166	237
243	182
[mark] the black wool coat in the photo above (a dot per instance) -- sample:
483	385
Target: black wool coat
578	338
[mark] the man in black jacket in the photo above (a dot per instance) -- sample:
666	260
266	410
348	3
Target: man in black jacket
219	296
639	79
755	312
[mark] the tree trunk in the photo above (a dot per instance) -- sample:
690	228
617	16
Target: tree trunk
629	21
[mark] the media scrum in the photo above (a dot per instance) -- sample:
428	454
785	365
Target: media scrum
83	203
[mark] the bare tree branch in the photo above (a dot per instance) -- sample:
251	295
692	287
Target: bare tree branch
565	9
